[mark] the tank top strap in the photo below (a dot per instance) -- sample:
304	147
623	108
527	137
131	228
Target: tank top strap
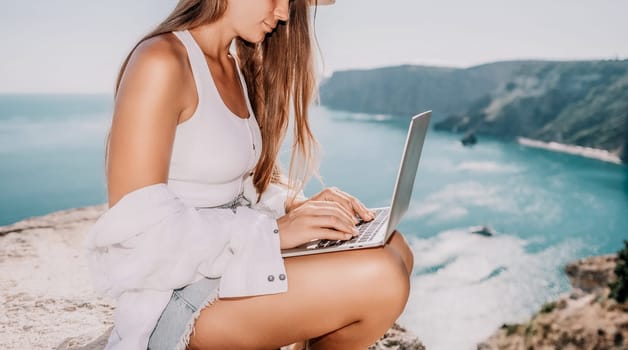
202	76
200	70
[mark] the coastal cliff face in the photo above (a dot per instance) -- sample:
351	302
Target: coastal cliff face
46	295
585	319
582	103
576	103
624	151
407	90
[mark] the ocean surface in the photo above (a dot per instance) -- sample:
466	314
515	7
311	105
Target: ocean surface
548	208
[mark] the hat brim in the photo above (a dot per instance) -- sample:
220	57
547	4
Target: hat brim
322	2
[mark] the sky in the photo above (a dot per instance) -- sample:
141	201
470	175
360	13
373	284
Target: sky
70	46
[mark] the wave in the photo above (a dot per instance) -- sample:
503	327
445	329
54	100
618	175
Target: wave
456	200
362	117
468	285
488	167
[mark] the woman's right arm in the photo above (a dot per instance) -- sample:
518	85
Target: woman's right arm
149	238
146	111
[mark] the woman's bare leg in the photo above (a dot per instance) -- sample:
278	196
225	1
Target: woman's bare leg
346	300
400	245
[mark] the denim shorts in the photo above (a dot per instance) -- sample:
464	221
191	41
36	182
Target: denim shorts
176	323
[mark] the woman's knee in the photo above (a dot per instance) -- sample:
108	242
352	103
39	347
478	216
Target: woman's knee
399	245
388	282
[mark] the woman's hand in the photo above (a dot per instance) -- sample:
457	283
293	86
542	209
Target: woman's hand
316	220
330	214
347	201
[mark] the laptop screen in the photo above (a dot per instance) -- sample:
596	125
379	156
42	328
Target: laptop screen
407	170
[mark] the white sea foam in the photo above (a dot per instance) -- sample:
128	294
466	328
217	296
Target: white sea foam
439	213
455	201
362	116
381	117
465	286
487	167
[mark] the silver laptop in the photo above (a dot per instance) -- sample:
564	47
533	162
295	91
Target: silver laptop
376	232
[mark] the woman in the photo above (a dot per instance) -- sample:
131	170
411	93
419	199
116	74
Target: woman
194	148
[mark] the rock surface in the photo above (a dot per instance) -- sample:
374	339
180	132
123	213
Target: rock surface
584	319
46	295
398	338
592	274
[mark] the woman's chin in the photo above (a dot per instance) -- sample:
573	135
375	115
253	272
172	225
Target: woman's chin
255	39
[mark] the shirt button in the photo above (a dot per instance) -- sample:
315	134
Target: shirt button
271	278
276	230
282	277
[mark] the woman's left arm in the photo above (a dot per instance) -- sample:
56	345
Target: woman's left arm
333	194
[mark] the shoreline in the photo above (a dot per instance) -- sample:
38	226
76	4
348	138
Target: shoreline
587	152
585	318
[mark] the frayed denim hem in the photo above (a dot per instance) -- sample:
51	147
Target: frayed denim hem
185	339
176	323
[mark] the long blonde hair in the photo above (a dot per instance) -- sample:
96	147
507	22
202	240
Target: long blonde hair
279	72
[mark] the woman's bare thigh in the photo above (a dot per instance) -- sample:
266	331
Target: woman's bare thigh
325	292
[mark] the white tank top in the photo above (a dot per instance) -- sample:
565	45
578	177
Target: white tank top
215	150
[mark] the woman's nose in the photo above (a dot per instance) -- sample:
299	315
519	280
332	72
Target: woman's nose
282	10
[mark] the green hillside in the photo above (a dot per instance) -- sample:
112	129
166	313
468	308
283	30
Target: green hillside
407	90
582	103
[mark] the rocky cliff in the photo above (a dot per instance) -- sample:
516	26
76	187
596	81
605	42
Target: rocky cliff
583	103
46	296
407	90
584	319
576	103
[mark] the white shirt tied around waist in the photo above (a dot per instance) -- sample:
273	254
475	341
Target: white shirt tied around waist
150	243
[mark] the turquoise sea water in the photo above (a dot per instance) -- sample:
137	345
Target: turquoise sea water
548	208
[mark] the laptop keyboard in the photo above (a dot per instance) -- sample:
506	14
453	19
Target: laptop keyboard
367	230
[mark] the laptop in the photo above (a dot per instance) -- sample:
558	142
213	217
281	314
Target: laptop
376	232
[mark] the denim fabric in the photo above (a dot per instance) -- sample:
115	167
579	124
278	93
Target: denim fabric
175	324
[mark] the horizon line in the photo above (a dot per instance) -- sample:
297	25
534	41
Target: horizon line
102	92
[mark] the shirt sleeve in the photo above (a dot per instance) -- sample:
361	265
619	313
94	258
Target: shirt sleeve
255	266
151	240
273	200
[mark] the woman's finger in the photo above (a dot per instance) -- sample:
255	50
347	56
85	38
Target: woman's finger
325	233
351	203
333	194
349	216
365	213
333	222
